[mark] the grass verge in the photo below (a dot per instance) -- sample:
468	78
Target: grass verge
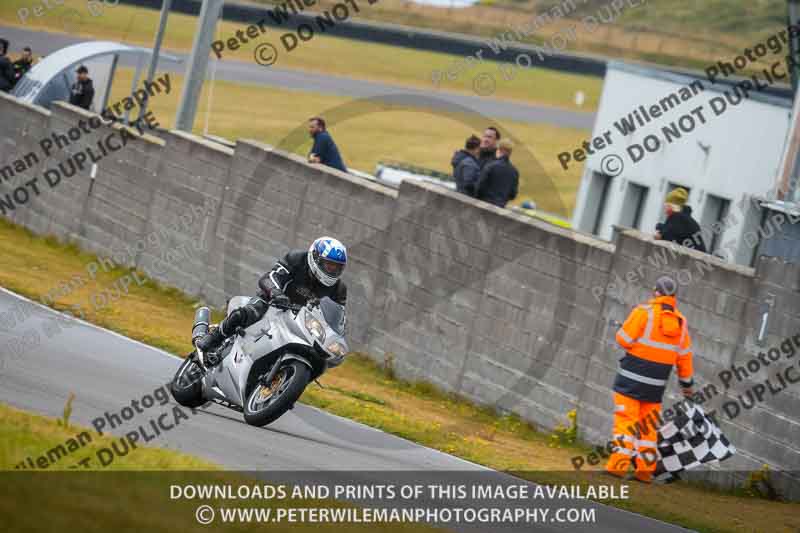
362	391
132	494
27	435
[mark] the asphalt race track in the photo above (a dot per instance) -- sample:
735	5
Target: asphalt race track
250	72
106	371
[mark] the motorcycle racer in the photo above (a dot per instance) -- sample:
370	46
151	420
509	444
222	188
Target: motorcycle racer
297	278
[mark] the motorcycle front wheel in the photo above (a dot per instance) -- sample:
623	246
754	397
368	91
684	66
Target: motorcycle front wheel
187	386
265	404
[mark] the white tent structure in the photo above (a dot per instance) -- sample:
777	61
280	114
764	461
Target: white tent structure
50	79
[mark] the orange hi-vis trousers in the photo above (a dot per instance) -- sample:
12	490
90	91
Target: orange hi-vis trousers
635	434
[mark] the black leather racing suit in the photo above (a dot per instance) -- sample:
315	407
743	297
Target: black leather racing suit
291	277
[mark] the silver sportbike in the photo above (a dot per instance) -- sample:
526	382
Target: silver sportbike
263	369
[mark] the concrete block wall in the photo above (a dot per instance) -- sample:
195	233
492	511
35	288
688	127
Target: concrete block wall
255	221
274	201
769	431
22	129
182	211
495	306
532	341
115	204
429	288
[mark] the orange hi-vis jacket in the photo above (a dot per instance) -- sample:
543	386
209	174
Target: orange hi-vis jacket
656	338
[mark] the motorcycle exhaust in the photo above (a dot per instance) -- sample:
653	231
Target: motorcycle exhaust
202	318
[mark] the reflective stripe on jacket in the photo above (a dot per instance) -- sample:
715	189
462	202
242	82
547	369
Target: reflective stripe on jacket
656	338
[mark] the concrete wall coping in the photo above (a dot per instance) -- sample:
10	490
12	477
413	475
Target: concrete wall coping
355	180
708	258
26	105
581	237
115	125
201	140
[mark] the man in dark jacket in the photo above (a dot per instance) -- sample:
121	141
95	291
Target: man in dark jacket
82	91
489	141
465	166
499	180
23	64
324	150
680	227
6	68
297	278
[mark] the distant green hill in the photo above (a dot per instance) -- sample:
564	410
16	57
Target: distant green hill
687	33
691	17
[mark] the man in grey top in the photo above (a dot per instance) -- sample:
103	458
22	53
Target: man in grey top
466	167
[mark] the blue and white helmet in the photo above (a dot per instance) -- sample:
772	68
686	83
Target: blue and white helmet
327	258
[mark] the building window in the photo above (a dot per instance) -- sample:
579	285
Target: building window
633	206
596	198
715	211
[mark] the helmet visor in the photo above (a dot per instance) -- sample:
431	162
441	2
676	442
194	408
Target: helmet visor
331	268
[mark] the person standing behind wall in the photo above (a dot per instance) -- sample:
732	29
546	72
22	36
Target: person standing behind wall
324	150
7	78
23	64
465	166
655	338
680	227
82	91
489	141
499	180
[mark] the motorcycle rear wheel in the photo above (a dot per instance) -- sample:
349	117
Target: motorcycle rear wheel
187	387
265	405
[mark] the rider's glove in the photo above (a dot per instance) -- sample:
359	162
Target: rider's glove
280	299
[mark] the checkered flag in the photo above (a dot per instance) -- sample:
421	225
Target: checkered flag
688	441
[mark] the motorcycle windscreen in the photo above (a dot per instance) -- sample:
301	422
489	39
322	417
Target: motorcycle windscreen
334	314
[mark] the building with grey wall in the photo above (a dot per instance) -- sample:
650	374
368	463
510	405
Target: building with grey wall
668	130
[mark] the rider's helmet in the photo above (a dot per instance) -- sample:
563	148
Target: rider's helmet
327	258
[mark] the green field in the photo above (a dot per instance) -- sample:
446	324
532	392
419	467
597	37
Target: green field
323	54
684	33
367	132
